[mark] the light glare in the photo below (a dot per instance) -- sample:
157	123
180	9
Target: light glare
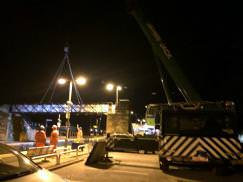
62	81
119	88
109	86
81	80
43	174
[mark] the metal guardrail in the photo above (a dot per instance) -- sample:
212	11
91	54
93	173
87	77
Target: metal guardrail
59	152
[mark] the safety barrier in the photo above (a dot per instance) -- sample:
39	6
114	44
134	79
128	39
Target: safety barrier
45	152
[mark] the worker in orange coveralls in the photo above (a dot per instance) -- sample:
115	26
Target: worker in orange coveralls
40	137
54	136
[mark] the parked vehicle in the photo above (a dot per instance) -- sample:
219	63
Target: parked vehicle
130	143
16	167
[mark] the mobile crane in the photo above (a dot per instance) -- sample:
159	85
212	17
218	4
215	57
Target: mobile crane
194	131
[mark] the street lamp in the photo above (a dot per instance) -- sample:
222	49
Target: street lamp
110	87
80	81
118	88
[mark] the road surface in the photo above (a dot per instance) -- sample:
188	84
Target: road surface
133	167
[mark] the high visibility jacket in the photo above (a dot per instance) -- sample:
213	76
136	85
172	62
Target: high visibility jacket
54	138
40	138
80	136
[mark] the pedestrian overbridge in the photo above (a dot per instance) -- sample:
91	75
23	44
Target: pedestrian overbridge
106	108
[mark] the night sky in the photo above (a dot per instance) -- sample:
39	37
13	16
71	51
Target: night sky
106	44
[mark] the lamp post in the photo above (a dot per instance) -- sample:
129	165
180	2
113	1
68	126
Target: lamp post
110	87
59	121
118	88
80	81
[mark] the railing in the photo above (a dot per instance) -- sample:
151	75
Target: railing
62	108
61	152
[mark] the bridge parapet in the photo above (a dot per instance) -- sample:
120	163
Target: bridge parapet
63	108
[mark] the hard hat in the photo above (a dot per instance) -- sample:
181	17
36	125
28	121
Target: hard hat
42	127
54	126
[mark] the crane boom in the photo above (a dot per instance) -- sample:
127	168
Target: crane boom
167	60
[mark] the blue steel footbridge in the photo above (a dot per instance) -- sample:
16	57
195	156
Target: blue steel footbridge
105	108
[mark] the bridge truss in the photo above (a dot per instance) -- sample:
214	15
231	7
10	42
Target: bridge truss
62	108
